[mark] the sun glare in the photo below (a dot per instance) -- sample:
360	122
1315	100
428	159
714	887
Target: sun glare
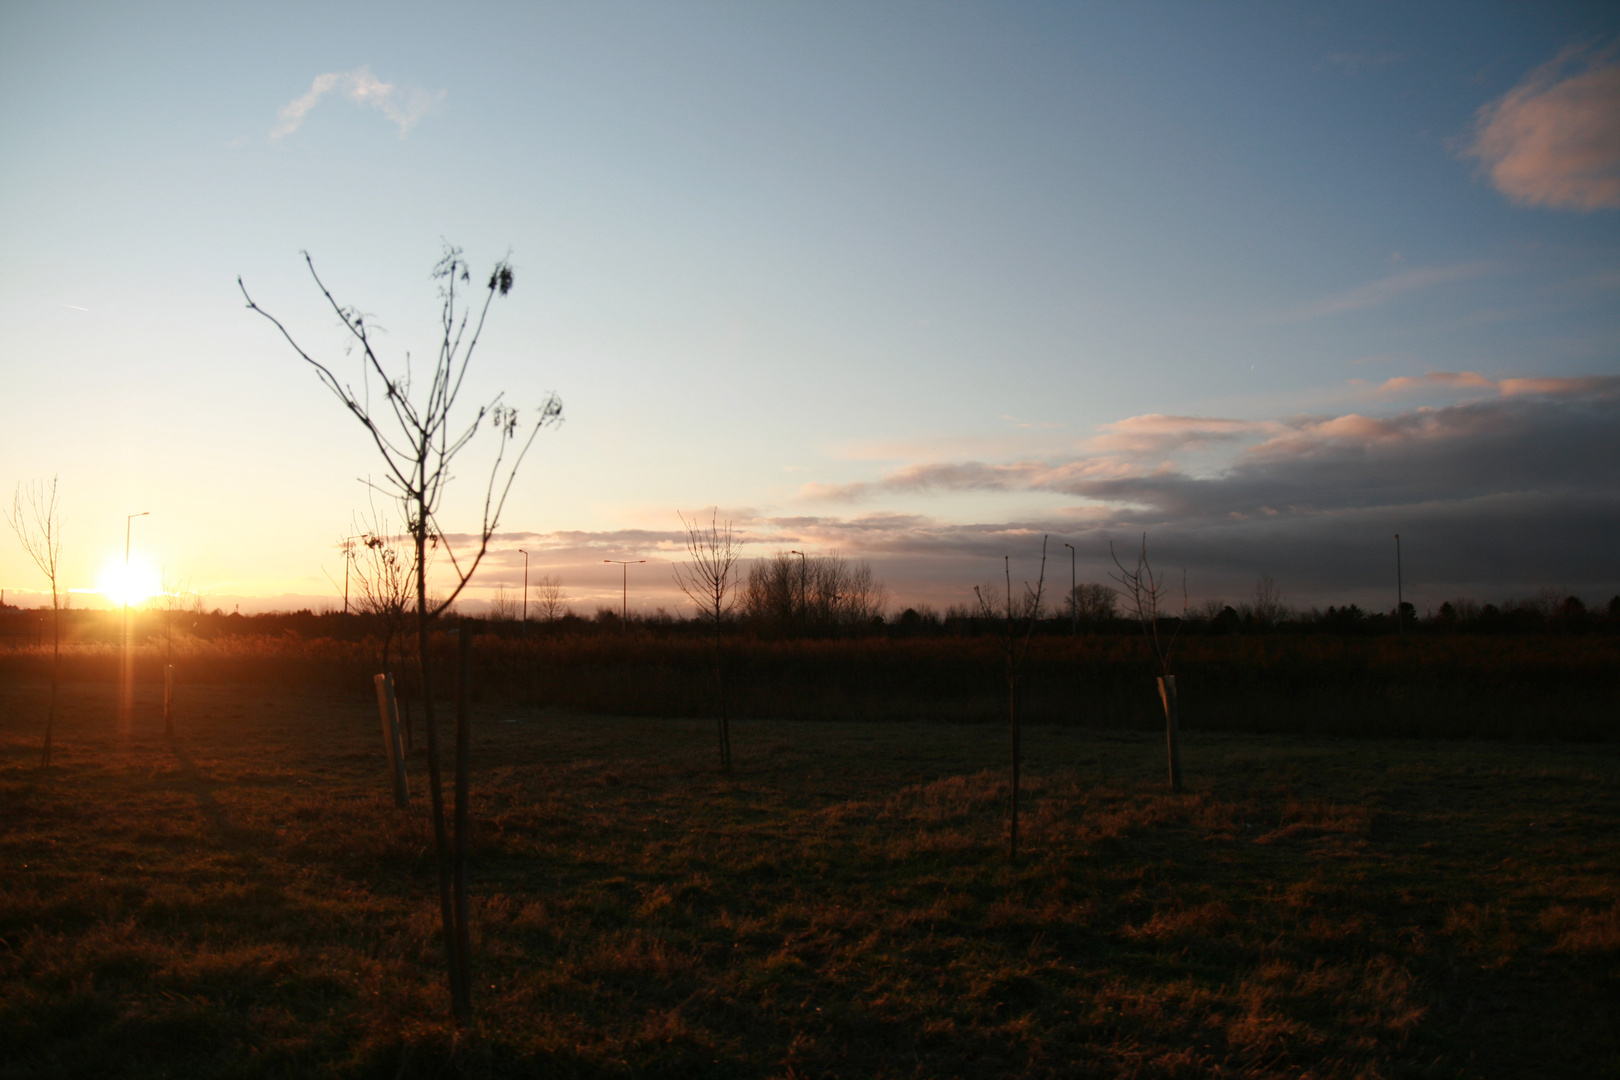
133	587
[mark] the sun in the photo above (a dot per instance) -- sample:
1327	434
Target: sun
132	587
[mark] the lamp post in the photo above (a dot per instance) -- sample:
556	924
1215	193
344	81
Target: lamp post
1074	599
624	584
525	592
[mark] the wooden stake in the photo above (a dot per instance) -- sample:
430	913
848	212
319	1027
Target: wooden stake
168	699
388	707
1172	728
461	988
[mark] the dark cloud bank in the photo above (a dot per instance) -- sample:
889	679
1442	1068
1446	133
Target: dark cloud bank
1495	498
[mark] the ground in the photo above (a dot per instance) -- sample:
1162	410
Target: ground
245	900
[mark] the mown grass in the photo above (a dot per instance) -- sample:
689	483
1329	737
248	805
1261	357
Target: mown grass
244	900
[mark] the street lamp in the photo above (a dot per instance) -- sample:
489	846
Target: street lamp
525	592
1074	599
624	585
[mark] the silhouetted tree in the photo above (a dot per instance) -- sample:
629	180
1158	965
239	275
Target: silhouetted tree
37	521
1092	604
418	439
503	606
709	580
812	592
1268	609
548	595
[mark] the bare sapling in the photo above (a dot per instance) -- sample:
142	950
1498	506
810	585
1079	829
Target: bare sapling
1145	594
503	606
709	581
419	433
37	521
173	599
1014	615
384	574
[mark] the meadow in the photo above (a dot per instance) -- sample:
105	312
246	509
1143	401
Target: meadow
1537	687
245	900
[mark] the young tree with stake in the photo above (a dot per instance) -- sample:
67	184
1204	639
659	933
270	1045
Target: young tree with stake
418	438
37	521
1145	594
709	580
1026	610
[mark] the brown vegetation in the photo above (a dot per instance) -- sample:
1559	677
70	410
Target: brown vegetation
1462	686
244	899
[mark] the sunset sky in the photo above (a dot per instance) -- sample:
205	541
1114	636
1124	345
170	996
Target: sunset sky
916	283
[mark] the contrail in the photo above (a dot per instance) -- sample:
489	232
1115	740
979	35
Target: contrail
76	307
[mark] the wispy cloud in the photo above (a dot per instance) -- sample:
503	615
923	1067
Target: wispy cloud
403	107
1447	380
1550	385
1386	289
1554	140
1155	434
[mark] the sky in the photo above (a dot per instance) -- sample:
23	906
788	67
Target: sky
918	284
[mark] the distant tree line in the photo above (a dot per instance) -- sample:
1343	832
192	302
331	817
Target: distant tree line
842	599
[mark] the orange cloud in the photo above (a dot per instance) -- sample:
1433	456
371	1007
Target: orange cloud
1580	384
1456	379
1550	385
1554	140
1156	433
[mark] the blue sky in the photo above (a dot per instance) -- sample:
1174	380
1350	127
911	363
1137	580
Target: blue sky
917	283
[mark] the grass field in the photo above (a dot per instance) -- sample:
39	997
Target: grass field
1540	688
244	900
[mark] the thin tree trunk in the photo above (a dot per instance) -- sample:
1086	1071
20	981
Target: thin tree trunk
441	842
463	794
168	673
720	686
56	667
1012	724
1172	728
388	709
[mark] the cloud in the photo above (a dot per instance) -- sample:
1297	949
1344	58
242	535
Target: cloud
1386	289
1515	488
1155	434
1451	380
403	107
1554	140
1560	437
1457	380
